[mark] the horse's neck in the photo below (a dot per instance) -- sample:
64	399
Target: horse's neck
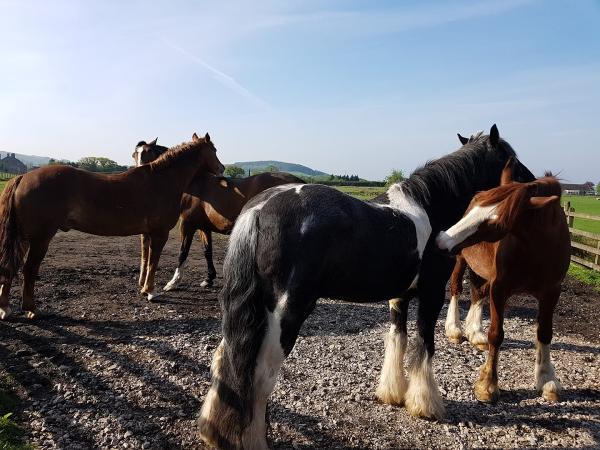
180	172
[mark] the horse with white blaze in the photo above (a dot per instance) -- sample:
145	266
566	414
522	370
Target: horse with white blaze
293	244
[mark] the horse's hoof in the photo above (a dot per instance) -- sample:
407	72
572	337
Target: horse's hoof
5	311
551	391
153	295
30	315
170	286
206	283
479	341
486	393
454	335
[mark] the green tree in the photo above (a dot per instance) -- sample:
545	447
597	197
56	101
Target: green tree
272	168
99	164
234	172
598	188
394	177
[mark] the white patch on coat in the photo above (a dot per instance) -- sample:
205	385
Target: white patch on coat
422	398
299	187
465	227
453	331
308	223
138	155
408	206
5	311
177	276
392	380
268	363
545	378
474	326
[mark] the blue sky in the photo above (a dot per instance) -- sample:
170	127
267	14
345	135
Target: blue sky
342	86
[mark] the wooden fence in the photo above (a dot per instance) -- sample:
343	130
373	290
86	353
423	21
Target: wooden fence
585	239
6	175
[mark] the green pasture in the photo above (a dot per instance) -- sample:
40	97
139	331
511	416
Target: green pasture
586	205
362	192
2	184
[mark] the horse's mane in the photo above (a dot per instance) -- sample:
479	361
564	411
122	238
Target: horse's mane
512	196
454	173
175	152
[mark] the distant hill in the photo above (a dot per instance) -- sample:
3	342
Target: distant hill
28	160
282	166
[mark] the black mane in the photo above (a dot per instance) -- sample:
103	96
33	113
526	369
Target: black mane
458	173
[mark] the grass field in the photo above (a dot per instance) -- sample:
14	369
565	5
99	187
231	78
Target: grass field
361	192
2	184
586	205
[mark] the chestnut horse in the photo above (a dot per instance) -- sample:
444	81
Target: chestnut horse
34	206
515	240
212	204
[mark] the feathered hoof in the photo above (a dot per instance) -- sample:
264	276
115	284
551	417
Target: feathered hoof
551	391
486	392
5	312
172	285
424	404
218	425
479	341
454	334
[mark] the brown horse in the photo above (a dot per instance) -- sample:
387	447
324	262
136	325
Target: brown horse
516	241
212	204
34	206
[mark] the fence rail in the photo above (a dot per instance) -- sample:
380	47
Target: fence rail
7	175
590	247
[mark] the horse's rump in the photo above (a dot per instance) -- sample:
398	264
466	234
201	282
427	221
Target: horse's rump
12	245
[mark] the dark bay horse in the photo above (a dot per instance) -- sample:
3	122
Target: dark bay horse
515	240
211	204
34	206
294	244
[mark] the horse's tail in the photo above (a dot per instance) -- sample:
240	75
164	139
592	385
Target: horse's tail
225	415
12	245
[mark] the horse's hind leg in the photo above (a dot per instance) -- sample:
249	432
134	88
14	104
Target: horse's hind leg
187	236
453	331
145	249
486	387
37	252
206	237
5	310
545	378
157	243
392	380
473	323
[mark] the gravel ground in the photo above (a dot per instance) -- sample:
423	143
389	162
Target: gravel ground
105	369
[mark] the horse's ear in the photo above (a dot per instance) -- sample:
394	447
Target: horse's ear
206	138
507	172
541	202
463	140
153	142
494	136
195	137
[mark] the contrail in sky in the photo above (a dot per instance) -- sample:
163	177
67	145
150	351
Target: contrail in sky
226	80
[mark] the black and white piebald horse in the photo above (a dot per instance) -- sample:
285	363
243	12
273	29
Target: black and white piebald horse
293	244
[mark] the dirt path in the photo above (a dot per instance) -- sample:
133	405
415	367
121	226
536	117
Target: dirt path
105	369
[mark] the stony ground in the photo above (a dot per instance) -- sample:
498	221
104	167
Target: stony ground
105	369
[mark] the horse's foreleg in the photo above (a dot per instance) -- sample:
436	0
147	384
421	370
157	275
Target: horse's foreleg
157	243
474	321
5	310
145	249
423	397
187	236
37	252
206	237
453	331
545	378
486	387
392	380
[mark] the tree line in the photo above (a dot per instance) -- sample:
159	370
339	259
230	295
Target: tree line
92	164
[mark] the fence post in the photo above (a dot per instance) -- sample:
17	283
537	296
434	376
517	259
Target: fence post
570	218
597	258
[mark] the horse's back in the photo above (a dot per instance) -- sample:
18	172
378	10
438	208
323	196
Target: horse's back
342	247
